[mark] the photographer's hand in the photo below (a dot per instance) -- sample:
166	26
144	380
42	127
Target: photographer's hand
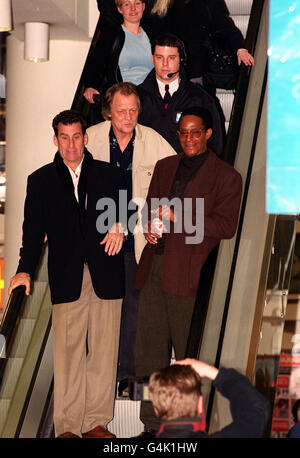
203	369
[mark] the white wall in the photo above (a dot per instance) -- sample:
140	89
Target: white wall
35	94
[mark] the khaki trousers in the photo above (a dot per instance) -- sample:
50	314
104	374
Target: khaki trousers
84	383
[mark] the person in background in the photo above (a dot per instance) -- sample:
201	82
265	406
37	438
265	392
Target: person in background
294	432
166	93
175	393
203	196
191	21
122	53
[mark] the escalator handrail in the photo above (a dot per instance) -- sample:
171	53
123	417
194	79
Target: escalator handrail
202	301
16	300
17	297
236	249
256	7
79	102
33	378
9	320
242	84
254	12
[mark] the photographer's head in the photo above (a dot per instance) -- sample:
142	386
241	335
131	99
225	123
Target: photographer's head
175	392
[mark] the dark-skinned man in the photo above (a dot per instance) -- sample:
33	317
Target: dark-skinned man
201	204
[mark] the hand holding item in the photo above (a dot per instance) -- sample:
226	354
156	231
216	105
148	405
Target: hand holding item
89	94
166	213
156	227
153	231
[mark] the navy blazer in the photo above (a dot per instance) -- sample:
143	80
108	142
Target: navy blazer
51	208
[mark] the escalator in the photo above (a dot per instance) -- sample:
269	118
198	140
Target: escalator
26	374
257	260
245	120
26	371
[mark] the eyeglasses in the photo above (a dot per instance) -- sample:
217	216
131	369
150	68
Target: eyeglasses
192	133
127	5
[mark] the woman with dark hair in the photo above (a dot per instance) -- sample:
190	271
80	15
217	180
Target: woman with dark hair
122	53
192	21
294	432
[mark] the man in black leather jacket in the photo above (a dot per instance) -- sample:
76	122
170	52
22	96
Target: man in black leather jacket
168	54
175	393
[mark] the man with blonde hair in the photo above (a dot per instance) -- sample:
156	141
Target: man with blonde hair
175	393
134	149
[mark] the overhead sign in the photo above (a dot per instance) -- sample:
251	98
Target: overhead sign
283	133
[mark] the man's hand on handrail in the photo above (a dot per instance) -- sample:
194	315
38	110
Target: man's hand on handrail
21	278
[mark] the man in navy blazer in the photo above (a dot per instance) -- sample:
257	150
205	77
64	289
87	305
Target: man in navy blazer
85	267
202	198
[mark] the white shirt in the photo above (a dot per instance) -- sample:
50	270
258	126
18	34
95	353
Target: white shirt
75	178
173	86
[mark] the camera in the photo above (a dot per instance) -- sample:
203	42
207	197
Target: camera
138	388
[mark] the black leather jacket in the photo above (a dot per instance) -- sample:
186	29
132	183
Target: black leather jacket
102	70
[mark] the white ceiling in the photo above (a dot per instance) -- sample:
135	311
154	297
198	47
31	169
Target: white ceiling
62	15
40	11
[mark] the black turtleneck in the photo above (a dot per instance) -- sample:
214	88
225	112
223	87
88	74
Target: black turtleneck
187	169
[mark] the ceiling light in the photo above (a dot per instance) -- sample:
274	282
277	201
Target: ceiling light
36	46
6	22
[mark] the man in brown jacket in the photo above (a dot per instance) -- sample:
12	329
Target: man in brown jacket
204	196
